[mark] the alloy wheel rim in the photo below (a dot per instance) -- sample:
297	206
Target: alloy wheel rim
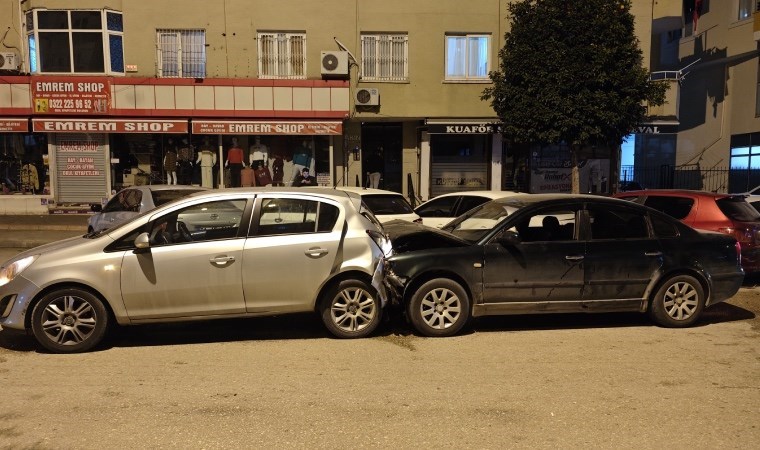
681	301
440	308
353	309
69	320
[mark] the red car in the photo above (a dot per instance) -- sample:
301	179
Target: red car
725	213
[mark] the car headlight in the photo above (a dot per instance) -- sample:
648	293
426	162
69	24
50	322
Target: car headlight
9	272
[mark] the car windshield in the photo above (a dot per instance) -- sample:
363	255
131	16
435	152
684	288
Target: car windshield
736	208
166	196
381	204
474	224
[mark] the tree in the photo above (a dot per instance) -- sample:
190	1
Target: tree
571	73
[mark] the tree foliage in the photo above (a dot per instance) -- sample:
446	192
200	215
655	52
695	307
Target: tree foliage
571	72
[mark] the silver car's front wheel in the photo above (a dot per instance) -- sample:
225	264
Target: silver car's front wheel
351	309
69	321
439	307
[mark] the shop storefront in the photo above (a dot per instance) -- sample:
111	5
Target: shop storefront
75	140
461	155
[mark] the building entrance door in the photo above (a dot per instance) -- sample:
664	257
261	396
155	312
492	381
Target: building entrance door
386	139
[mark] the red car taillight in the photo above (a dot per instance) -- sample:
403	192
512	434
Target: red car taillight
744	234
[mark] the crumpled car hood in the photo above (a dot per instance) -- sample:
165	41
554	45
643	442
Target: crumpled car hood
407	237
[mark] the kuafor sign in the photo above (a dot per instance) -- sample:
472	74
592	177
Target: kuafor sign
267	127
108	126
8	125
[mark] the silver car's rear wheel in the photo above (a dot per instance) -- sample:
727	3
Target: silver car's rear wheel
69	321
439	307
351	309
678	302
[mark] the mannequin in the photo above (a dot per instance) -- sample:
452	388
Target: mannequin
185	157
171	162
234	162
263	176
277	164
207	161
258	154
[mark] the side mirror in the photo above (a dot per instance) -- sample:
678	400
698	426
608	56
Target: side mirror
142	240
96	207
509	238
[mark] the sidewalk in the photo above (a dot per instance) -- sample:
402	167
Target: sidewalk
27	231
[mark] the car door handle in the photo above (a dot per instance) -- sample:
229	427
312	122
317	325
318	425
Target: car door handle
574	257
316	252
222	260
653	253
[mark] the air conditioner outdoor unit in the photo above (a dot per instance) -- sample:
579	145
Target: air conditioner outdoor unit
367	97
8	61
334	63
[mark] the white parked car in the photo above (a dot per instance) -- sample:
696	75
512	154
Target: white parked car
441	210
133	201
385	205
753	197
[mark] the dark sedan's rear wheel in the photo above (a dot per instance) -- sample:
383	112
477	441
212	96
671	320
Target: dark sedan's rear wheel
439	308
678	302
351	309
69	321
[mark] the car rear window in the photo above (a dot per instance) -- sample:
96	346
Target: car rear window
677	207
387	204
162	197
736	208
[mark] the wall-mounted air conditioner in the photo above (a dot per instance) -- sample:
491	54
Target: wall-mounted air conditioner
334	63
8	61
367	97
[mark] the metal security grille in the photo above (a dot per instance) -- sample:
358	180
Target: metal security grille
181	53
385	57
282	55
80	162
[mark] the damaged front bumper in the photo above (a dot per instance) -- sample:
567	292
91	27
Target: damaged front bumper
394	286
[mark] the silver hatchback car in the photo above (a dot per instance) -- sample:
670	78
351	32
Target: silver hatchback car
216	254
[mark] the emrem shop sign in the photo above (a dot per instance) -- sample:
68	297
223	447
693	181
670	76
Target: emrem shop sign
267	127
108	126
67	95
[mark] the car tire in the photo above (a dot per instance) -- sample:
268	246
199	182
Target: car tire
439	308
678	302
69	320
351	309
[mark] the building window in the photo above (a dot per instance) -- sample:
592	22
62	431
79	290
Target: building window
75	41
282	55
385	57
181	53
746	8
467	57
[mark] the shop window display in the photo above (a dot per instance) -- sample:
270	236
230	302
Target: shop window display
23	168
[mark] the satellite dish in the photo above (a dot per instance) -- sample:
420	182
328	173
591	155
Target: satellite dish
345	49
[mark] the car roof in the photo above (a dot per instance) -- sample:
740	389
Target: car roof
677	193
366	191
493	194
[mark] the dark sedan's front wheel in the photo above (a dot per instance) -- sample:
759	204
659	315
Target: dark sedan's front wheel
351	309
439	308
678	302
69	321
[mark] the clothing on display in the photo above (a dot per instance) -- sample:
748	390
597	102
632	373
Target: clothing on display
170	166
246	177
278	171
235	163
206	160
263	176
258	154
30	180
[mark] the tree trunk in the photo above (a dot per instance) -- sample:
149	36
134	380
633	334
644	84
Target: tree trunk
575	177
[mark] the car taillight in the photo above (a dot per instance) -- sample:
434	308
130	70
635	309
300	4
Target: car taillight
738	248
743	234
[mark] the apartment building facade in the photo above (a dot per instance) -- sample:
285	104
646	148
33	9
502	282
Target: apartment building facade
94	95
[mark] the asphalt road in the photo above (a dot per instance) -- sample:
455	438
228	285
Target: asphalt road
562	381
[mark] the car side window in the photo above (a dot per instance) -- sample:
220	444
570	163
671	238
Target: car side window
327	215
207	221
556	224
439	207
662	228
287	216
608	222
677	207
116	204
468	202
